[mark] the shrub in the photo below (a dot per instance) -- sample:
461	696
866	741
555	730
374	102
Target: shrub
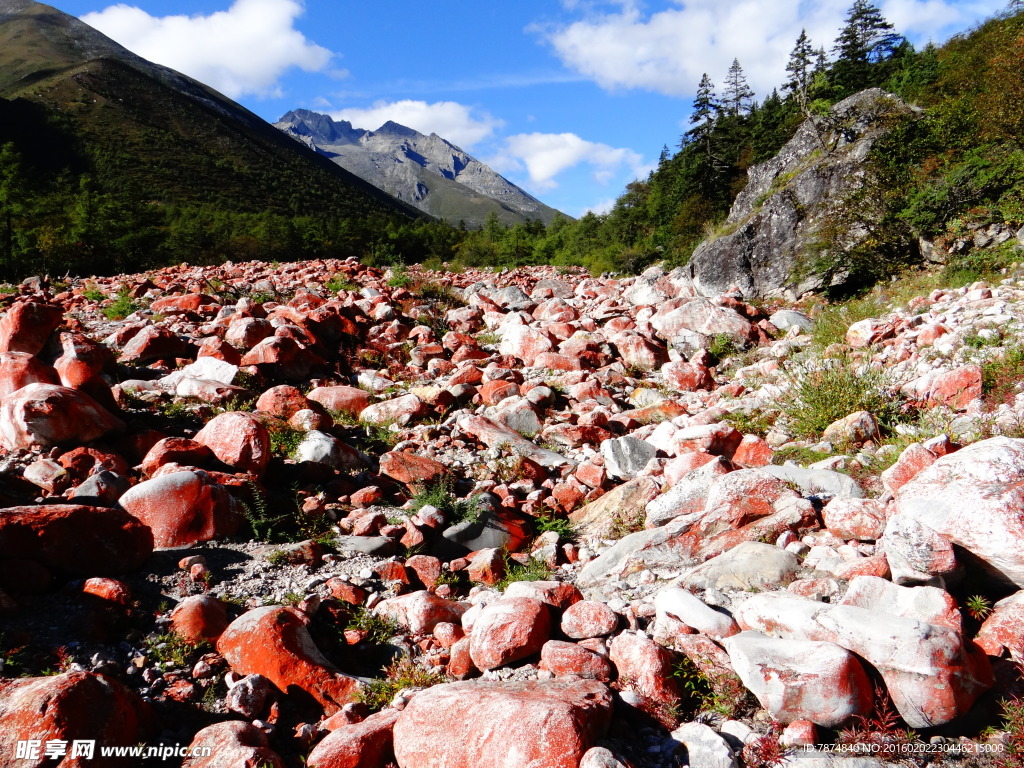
442	496
1001	376
819	396
340	283
378	629
121	307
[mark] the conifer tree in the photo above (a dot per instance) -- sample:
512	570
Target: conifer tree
738	97
800	69
865	39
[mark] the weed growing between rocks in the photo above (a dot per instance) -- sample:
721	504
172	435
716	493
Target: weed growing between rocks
377	629
722	694
883	726
767	750
531	570
402	674
1001	377
819	396
441	496
289	526
172	651
546	521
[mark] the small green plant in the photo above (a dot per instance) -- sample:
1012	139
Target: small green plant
441	495
6	289
532	570
722	346
121	307
1001	376
284	440
799	455
400	278
340	283
1013	732
756	423
978	607
400	674
546	521
278	558
171	650
625	523
92	293
883	726
443	295
378	629
488	338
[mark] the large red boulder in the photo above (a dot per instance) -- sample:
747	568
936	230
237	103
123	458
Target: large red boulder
183	508
75	706
368	744
274	642
75	539
350	400
199	617
645	666
46	415
26	327
509	629
406	467
502	724
154	342
239	440
19	369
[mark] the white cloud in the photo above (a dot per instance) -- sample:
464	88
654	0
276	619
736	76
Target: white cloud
667	51
241	51
460	124
546	155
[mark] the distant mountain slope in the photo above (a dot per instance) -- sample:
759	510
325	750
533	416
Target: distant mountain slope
426	171
71	98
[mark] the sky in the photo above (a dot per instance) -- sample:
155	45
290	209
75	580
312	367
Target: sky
569	99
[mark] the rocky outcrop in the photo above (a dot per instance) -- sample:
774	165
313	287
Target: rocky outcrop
776	219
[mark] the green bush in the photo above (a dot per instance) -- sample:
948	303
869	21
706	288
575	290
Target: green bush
819	396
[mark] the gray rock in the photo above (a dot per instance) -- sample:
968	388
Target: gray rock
704	747
775	218
785	319
823	483
625	456
367	545
749	566
102	489
687	496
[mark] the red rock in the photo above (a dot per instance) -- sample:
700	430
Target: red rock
915	457
555	361
73	706
864	333
74	539
19	369
199	617
753	452
419	612
561	659
587	619
368	744
238	439
591	474
281	358
864	566
639	352
426	568
347	592
954	388
558	594
175	305
493	392
183	508
82	462
930	334
108	590
26	326
687	377
645	666
154	342
176	450
719	439
1003	630
411	468
366	497
460	663
502	724
247	332
351	400
508	630
233	743
486	566
46	415
862	519
678	468
282	402
219	349
524	343
274	642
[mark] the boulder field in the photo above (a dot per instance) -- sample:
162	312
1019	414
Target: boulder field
329	515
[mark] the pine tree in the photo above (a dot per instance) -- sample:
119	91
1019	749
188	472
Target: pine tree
800	69
738	97
865	39
706	109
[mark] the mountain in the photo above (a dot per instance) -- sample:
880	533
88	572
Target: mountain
426	171
72	101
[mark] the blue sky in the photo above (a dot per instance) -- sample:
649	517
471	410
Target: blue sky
570	99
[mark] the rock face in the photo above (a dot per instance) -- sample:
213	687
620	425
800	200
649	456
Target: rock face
426	171
774	220
502	725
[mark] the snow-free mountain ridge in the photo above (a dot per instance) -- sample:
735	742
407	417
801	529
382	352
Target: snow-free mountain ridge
428	172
